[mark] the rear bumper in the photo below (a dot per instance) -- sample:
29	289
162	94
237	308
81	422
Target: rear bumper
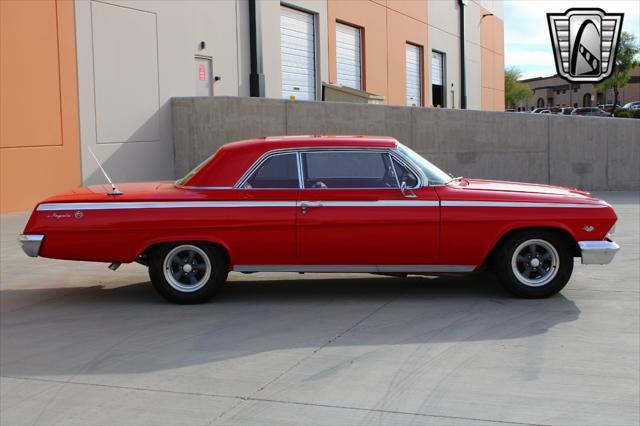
31	243
598	252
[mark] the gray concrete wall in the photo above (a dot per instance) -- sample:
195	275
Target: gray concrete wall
587	152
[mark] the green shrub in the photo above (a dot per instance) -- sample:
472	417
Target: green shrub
635	113
622	113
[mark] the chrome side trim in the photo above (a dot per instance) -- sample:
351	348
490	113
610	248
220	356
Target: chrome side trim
598	252
119	205
519	204
356	268
31	243
378	203
203	188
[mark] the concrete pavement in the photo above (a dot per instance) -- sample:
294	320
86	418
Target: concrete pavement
80	344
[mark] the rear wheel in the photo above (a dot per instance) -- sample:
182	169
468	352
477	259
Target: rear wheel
533	264
187	273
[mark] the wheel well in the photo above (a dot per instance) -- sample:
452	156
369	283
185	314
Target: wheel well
144	256
566	236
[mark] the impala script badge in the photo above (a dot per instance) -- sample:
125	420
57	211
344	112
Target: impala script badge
584	43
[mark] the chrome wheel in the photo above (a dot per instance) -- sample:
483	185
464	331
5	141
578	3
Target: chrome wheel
535	262
187	268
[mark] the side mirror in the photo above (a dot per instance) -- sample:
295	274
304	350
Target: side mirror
406	192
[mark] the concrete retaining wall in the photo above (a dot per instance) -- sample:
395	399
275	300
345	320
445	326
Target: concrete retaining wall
586	152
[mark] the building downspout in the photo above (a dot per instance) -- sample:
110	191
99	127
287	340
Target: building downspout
463	71
256	78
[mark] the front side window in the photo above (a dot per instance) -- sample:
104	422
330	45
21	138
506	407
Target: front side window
348	170
279	171
404	174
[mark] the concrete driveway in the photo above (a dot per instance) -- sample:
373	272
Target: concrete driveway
80	344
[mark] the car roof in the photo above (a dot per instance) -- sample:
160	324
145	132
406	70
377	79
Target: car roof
232	159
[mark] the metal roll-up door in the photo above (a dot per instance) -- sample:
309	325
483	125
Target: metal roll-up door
298	54
348	56
414	75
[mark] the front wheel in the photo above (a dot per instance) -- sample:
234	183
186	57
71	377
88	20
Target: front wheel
187	273
533	264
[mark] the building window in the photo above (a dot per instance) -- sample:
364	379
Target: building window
298	54
438	79
413	62
586	100
349	56
540	103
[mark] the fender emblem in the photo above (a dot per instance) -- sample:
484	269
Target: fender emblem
589	228
79	214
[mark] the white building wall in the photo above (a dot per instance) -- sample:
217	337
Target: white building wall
133	57
270	22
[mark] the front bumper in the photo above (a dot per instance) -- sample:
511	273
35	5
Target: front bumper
31	243
598	252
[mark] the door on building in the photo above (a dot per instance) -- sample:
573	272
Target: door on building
298	53
204	86
349	56
438	79
413	55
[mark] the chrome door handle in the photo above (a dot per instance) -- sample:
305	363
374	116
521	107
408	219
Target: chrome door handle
309	204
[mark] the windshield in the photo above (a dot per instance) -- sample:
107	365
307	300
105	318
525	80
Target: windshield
194	171
434	174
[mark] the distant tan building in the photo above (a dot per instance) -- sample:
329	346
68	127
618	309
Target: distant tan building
554	91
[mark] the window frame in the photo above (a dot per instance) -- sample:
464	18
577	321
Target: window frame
393	153
260	162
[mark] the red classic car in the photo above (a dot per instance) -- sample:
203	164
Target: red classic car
325	204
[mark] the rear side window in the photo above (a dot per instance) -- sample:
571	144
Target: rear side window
276	172
348	170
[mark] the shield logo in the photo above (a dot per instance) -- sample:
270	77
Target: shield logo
584	43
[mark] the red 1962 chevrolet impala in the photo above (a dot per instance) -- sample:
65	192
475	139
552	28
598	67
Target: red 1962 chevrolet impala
325	204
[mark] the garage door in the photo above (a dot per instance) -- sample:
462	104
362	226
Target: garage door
348	56
298	54
414	75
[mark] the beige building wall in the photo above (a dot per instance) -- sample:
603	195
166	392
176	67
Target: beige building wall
482	35
133	57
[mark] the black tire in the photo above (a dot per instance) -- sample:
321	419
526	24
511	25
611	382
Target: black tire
182	290
551	244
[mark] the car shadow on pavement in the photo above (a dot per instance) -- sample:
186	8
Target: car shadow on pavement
129	329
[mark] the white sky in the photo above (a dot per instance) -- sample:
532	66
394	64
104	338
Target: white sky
526	35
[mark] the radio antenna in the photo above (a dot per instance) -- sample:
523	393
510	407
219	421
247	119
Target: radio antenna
114	190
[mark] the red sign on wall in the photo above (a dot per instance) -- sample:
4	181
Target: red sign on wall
202	72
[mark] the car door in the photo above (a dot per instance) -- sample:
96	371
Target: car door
351	211
264	229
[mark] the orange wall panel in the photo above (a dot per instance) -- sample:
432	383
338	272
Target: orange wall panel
492	62
402	29
31	110
386	28
371	17
411	8
39	150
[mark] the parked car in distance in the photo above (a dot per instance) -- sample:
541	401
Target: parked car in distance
590	111
325	204
632	105
608	107
538	110
545	111
566	110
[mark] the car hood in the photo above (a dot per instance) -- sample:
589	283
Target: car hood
518	187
